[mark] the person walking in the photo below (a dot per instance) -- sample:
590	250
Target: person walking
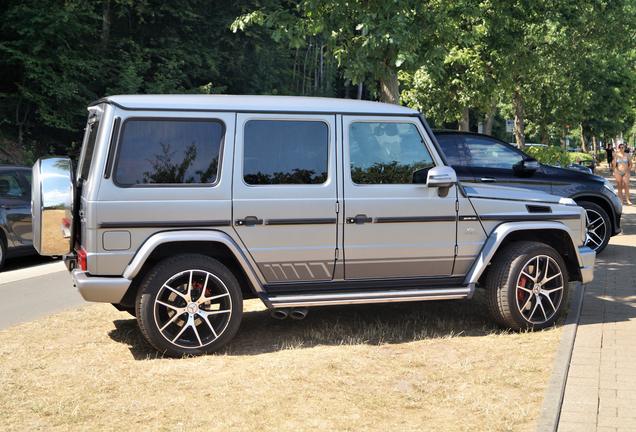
609	150
622	165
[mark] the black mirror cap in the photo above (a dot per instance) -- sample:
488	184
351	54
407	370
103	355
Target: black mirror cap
526	167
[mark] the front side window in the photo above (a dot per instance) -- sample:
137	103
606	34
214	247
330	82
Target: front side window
490	154
386	153
285	152
168	151
454	149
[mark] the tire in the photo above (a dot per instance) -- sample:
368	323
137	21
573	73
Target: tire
176	317
600	232
512	289
3	251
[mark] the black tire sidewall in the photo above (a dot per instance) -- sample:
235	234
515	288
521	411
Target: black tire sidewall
511	284
608	223
3	251
152	284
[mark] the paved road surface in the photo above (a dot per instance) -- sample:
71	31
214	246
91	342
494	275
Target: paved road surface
35	290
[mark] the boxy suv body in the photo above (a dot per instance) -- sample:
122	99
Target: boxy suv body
182	206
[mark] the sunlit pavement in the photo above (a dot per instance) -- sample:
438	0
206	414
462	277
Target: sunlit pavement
601	386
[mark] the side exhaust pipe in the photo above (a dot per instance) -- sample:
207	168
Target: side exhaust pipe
298	314
280	314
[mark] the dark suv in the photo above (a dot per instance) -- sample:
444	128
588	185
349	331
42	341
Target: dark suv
481	158
15	212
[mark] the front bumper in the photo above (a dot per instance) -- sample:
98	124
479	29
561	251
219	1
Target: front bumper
586	262
100	289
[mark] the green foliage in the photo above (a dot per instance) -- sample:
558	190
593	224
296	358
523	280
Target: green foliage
551	155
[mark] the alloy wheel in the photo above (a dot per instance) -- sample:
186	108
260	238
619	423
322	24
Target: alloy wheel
596	229
192	309
539	289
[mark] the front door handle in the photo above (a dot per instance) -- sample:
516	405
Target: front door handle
249	221
488	179
359	219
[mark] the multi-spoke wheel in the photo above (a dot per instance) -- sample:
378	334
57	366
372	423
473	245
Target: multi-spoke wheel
189	304
527	285
598	226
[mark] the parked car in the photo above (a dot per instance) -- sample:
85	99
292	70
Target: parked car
183	206
480	159
15	212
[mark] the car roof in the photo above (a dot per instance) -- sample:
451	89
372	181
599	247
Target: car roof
254	104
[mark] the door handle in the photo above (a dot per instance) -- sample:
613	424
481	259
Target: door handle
359	219
249	221
488	179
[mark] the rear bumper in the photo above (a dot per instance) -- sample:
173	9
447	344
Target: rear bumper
100	289
586	262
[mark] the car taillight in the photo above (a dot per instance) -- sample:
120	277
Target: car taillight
81	259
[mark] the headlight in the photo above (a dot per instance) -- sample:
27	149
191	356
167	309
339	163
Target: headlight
609	186
567	201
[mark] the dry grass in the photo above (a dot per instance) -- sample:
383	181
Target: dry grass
431	366
52	236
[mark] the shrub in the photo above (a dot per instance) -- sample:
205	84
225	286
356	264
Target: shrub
551	155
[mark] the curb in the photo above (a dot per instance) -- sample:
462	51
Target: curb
551	410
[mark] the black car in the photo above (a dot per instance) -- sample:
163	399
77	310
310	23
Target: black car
483	159
15	212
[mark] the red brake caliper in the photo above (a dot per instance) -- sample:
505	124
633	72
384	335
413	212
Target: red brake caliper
522	296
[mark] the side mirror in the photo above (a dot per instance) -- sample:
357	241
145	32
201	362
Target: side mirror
441	177
526	167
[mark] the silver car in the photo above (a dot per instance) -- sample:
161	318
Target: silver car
182	206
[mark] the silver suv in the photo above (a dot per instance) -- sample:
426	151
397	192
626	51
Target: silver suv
183	206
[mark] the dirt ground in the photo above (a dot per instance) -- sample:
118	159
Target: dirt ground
413	366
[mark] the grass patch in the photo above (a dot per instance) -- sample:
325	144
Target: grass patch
426	366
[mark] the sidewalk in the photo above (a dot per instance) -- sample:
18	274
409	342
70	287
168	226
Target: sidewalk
600	393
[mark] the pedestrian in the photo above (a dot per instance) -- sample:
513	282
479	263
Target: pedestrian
622	165
609	150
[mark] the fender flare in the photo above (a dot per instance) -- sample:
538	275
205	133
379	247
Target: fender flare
500	233
208	236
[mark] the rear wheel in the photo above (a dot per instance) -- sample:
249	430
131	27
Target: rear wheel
527	286
3	251
598	226
188	305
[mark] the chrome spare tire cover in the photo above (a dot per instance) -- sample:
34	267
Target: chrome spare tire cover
52	194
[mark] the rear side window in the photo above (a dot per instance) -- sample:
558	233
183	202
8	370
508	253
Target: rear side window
168	151
285	152
10	186
89	147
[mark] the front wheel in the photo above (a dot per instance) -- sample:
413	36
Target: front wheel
527	286
188	305
598	226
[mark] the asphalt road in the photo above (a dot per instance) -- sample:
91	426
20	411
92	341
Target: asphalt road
33	287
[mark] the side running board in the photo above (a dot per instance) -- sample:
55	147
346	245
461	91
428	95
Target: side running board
297	300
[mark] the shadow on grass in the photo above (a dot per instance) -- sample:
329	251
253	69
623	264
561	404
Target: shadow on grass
375	324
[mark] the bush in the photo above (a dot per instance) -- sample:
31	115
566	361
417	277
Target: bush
551	155
577	157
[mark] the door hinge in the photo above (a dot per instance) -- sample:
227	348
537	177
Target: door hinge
456	250
337	207
456	206
337	254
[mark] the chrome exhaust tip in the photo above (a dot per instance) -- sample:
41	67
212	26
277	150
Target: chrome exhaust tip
298	314
279	314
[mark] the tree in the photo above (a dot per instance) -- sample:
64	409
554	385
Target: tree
368	38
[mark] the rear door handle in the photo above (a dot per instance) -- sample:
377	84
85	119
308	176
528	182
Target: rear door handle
488	179
359	219
249	221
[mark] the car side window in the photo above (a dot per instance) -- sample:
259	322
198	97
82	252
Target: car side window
10	186
386	152
485	153
285	152
168	151
454	149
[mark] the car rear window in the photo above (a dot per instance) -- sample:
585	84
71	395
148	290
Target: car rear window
168	151
285	152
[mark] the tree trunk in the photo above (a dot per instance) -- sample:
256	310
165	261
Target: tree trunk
520	128
490	119
390	87
360	87
583	142
543	133
595	147
105	36
464	123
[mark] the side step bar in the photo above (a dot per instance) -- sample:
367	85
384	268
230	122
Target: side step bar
293	300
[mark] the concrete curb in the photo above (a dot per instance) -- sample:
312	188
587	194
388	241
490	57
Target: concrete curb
551	410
